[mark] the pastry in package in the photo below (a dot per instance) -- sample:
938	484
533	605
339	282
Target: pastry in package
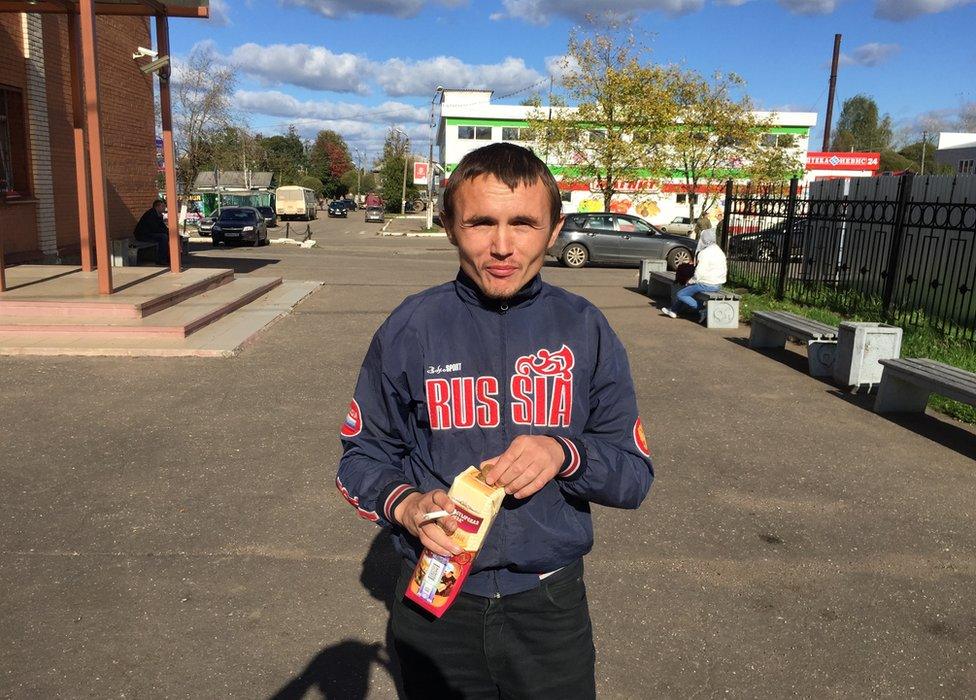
437	579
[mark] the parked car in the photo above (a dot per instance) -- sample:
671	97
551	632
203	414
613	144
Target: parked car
270	217
374	214
767	244
244	224
617	238
206	224
680	225
337	208
349	204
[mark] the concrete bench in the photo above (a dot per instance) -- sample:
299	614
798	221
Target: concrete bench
647	266
770	329
721	308
660	283
125	251
907	383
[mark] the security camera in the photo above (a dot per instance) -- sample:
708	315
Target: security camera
142	52
156	66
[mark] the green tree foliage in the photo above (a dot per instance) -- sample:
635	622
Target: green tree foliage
622	117
311	182
719	135
284	155
328	159
861	128
396	151
913	154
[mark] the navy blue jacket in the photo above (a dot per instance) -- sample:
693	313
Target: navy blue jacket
452	377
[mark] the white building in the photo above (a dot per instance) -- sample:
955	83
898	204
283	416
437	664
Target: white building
469	120
958	150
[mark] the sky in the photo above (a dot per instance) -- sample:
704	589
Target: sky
360	67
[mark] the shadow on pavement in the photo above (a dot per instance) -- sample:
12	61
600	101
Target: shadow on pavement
342	670
238	265
785	356
936	429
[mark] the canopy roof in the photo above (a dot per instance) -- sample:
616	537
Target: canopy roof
172	8
233	179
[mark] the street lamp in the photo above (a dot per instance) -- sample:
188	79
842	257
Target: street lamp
430	161
403	189
925	135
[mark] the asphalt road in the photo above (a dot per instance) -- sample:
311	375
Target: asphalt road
170	527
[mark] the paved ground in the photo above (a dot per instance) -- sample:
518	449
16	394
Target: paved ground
170	526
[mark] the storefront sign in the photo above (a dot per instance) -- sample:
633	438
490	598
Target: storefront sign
822	160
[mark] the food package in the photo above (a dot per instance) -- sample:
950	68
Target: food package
437	579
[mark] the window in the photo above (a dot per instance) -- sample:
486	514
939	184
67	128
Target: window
778	140
465	132
482	133
966	167
597	136
601	223
566	196
683	198
14	175
512	133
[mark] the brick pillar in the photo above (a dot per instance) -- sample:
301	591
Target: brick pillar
40	134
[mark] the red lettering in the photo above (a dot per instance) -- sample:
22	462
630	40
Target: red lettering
462	401
561	411
521	399
488	409
438	403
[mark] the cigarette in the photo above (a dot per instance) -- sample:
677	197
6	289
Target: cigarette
434	515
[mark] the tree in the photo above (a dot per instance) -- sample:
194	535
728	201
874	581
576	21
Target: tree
622	115
202	110
311	182
284	155
328	159
396	151
718	135
357	182
861	128
913	154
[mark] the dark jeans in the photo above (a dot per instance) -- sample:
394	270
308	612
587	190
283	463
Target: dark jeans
536	644
162	246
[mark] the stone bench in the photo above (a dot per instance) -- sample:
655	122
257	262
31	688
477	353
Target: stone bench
770	329
721	308
907	383
647	266
125	251
660	283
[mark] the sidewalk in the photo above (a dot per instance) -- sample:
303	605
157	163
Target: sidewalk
171	527
413	226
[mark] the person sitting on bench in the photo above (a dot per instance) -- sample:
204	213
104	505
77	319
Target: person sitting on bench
710	274
152	229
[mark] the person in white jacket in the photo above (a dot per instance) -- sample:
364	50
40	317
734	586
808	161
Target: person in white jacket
710	275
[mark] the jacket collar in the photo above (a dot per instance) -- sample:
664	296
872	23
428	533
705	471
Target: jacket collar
472	294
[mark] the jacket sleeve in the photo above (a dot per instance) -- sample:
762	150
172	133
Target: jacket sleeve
370	475
609	463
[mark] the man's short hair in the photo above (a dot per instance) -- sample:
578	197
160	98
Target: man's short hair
511	164
157	202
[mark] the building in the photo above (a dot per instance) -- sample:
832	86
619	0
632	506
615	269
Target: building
469	120
39	212
213	189
958	150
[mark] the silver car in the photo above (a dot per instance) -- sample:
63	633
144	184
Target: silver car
617	238
374	214
680	225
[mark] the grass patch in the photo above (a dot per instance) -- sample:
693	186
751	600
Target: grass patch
917	341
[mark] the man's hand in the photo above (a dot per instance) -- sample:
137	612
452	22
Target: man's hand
435	535
529	463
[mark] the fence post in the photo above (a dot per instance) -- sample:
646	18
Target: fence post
787	247
726	216
897	236
287	229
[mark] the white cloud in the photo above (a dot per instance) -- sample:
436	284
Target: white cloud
278	104
313	67
541	11
343	8
561	66
901	10
810	7
869	55
398	77
219	13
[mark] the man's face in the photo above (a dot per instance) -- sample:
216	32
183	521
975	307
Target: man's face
501	235
160	208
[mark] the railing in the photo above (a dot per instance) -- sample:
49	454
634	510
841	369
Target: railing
900	248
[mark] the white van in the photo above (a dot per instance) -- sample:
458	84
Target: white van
294	201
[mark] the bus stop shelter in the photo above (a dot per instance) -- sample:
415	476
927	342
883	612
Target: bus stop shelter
86	116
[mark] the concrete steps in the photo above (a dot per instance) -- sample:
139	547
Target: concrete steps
187	315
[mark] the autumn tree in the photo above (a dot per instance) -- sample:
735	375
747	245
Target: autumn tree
621	117
328	159
396	152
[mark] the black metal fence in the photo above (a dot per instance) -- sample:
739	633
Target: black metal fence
898	248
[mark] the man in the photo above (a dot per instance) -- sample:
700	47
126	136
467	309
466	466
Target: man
498	369
152	229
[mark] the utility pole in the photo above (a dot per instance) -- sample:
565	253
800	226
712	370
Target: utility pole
924	136
406	151
430	161
830	96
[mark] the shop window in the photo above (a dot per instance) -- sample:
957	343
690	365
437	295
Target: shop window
465	132
14	174
778	140
512	133
683	198
482	133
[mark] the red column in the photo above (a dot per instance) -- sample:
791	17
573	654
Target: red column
81	158
3	277
169	151
86	11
